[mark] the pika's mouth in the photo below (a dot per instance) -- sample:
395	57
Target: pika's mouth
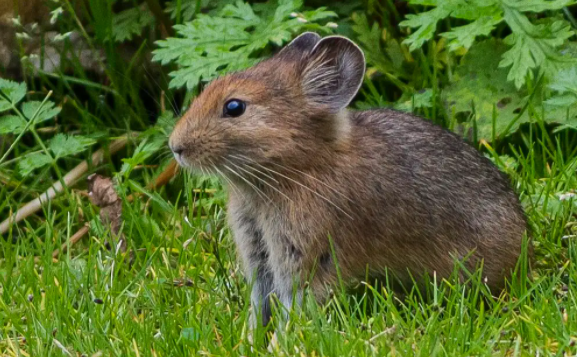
184	160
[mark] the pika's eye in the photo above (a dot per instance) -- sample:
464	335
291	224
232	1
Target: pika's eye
234	108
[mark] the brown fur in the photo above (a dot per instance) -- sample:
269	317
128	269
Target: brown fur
392	191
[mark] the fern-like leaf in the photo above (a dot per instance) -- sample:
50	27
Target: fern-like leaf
532	46
130	23
232	40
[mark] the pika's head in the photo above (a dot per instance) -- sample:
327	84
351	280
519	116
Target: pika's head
285	109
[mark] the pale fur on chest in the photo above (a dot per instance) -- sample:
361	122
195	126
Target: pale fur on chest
292	241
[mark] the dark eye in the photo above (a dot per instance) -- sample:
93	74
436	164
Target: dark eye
234	108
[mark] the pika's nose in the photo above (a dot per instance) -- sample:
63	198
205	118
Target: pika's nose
176	149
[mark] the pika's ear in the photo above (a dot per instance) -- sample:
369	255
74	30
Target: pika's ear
333	72
300	46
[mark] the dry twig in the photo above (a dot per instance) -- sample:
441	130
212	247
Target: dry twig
70	179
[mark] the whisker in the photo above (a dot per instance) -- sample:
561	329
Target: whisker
260	180
315	179
303	186
302	173
248	165
228	180
257	190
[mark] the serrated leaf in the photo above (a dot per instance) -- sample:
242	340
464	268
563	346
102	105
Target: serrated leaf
565	81
212	45
387	60
188	8
42	112
473	10
285	8
65	145
11	124
421	99
166	122
519	58
130	23
481	88
562	101
31	162
240	10
426	25
533	46
464	36
12	93
537	5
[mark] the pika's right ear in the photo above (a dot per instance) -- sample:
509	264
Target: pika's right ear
300	46
333	72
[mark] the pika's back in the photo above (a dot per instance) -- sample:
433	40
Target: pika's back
426	153
433	196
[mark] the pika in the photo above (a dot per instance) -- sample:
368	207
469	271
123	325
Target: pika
313	185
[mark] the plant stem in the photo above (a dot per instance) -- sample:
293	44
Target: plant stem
164	22
28	124
68	180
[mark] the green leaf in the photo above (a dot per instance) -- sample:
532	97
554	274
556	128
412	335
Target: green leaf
188	8
562	101
65	145
480	87
207	68
32	162
144	150
210	46
388	60
11	124
12	93
473	10
537	5
42	112
421	99
464	36
565	81
426	25
166	122
240	10
533	46
131	22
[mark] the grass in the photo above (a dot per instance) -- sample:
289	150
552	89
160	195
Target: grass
184	294
182	291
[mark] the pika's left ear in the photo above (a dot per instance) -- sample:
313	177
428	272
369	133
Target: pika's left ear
333	73
300	46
